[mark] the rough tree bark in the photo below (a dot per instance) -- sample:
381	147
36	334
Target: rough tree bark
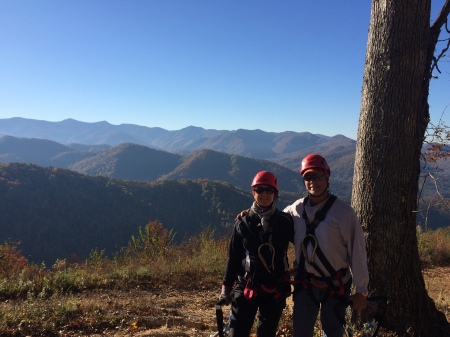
393	119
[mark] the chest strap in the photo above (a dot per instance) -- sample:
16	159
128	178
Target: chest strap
310	238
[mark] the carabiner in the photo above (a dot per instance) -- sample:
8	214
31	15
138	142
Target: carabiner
305	251
270	268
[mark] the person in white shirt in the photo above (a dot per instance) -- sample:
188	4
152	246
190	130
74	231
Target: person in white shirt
330	254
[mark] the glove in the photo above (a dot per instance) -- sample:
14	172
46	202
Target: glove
225	298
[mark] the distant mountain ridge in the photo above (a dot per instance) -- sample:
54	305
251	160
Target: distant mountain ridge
285	148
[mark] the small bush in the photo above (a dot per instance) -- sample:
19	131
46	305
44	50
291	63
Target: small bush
153	240
434	246
11	260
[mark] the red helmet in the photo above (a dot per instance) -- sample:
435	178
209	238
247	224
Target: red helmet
265	178
314	161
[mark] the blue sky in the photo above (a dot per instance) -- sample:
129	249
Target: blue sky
226	65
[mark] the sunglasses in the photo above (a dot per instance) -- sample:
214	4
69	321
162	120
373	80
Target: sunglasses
315	177
261	190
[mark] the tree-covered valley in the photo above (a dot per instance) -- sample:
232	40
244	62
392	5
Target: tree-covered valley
57	213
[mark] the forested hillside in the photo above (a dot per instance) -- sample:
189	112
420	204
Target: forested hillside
129	161
137	162
55	213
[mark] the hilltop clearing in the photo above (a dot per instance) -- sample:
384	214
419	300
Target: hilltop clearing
155	310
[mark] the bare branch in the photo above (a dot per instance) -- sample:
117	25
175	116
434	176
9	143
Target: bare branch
441	18
435	31
432	203
442	53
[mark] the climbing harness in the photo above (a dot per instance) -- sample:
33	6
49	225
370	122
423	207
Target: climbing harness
266	256
308	279
250	289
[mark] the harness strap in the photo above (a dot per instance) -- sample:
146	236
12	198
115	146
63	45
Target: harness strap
249	292
318	285
251	289
335	275
310	238
341	284
263	239
263	258
267	289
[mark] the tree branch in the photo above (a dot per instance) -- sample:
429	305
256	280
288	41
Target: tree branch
435	31
441	18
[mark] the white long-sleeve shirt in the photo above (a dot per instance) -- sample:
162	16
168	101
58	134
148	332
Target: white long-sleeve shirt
340	237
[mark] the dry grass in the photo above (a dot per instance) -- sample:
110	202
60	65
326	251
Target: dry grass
437	280
159	287
434	246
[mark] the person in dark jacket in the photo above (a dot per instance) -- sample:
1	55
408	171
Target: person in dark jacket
257	264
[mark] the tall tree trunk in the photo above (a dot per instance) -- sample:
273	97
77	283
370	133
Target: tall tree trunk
393	120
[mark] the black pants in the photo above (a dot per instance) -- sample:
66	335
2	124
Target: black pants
244	312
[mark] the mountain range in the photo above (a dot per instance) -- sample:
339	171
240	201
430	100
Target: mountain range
285	148
113	150
131	154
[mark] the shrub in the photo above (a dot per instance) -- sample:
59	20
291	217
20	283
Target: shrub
434	246
153	240
11	261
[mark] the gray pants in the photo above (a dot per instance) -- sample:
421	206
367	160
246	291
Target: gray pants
306	309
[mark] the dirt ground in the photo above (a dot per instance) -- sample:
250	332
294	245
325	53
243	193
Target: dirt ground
169	313
161	311
192	317
188	313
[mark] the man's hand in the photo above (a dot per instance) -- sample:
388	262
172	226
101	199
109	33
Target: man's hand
359	301
242	214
